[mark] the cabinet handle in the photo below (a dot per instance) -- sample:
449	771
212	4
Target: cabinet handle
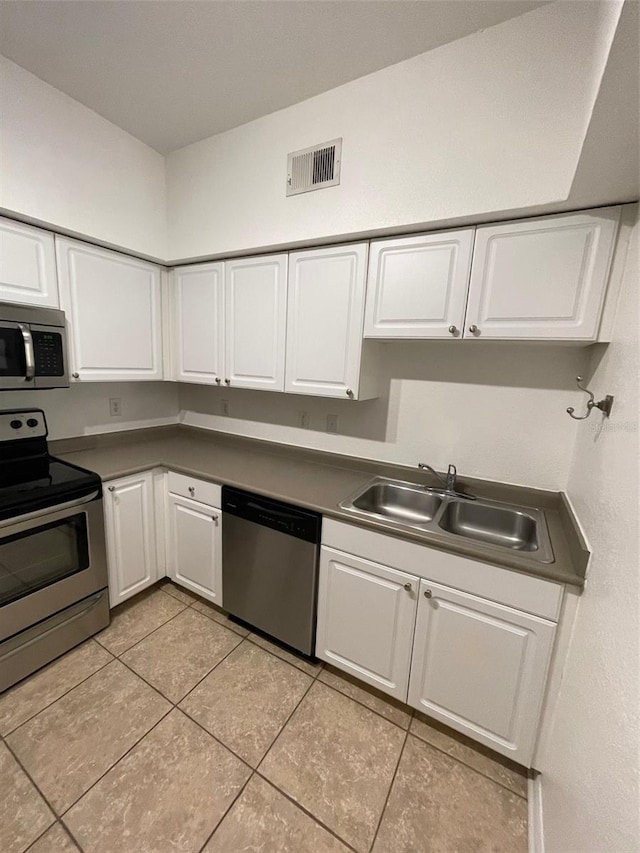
349	393
75	376
112	488
408	587
453	330
192	490
427	593
473	329
215	518
227	382
218	380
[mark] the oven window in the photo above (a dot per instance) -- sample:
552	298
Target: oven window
41	556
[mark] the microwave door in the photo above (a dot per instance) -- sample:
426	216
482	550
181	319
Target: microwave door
17	359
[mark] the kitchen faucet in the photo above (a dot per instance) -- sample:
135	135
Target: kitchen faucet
449	484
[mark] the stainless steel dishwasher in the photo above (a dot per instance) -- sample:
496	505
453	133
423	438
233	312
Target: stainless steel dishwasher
270	566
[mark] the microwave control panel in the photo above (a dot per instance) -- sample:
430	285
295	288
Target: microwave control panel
47	347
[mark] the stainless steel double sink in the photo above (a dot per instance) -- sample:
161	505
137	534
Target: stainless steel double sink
503	525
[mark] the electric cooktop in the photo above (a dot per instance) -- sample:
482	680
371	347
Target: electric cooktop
30	478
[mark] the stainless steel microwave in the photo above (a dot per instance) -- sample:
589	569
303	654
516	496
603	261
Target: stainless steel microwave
33	348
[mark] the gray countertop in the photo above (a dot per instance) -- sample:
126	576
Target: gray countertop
319	481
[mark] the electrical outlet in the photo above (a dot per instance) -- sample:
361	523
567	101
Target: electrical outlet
304	420
225	408
115	407
332	423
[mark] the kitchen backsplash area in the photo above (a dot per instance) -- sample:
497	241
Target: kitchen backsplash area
437	401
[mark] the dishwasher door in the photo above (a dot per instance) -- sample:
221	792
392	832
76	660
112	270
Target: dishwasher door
270	577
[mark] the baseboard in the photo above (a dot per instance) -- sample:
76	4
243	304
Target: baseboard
536	834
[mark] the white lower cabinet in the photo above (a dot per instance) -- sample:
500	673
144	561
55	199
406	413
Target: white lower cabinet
366	615
194	535
194	546
131	535
480	667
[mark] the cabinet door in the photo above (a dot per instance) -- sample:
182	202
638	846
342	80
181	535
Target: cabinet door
480	668
324	321
195	547
256	317
541	279
130	528
366	615
113	306
417	286
27	265
198	323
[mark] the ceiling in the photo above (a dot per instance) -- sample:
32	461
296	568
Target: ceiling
172	73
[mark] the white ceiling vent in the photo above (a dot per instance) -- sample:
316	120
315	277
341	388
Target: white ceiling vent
314	168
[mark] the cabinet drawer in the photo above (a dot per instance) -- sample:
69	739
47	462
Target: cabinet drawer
192	487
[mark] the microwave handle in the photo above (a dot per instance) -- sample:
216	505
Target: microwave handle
29	354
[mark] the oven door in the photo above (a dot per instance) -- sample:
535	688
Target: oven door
49	560
17	360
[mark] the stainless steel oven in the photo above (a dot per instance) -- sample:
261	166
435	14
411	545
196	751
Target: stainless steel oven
33	351
53	568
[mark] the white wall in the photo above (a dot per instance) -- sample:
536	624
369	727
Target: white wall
489	123
590	790
496	410
83	409
63	165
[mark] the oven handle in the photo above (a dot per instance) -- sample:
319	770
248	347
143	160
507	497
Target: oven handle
29	353
41	513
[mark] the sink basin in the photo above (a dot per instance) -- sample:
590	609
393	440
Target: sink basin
397	502
508	528
409	505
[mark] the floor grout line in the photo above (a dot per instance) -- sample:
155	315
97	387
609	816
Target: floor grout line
57	699
306	811
286	722
63	814
33	782
468	766
153	631
57	822
368	708
227	810
386	801
71	835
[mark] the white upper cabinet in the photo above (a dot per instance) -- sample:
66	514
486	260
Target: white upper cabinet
198	323
543	278
324	321
255	322
480	668
417	286
27	265
113	305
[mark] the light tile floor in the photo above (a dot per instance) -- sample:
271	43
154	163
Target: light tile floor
176	730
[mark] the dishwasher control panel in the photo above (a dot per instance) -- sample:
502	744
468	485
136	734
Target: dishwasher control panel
285	518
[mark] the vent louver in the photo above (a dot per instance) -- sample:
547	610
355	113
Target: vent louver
314	168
